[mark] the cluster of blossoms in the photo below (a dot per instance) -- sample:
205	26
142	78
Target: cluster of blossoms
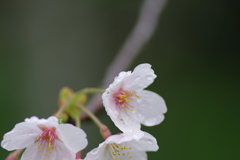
127	104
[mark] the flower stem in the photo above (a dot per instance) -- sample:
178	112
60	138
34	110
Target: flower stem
61	109
78	122
103	128
91	115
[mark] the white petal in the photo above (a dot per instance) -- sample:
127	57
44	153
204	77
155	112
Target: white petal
149	108
110	106
53	120
32	119
106	156
22	135
136	155
146	143
92	155
108	95
119	80
50	122
97	153
103	152
63	153
125	137
33	153
141	77
125	122
133	153
73	137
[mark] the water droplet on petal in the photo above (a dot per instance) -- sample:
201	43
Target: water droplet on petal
149	141
135	136
139	100
150	121
94	151
149	78
139	115
30	134
5	143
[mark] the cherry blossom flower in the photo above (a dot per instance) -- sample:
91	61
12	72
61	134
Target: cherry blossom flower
128	104
45	139
124	146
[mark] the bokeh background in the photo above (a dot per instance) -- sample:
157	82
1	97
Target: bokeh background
46	45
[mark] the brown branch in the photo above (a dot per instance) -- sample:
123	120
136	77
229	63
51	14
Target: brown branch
140	35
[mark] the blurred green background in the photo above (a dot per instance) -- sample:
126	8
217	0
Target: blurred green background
46	45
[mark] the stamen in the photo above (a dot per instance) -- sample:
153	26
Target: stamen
47	139
118	150
123	98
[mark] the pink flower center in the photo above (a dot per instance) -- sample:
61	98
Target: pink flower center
123	98
47	139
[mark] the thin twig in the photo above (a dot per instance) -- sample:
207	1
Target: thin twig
140	35
61	109
91	115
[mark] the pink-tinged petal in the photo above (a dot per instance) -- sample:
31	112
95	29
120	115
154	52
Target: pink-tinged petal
149	108
73	137
128	105
22	135
108	95
123	121
33	153
141	77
